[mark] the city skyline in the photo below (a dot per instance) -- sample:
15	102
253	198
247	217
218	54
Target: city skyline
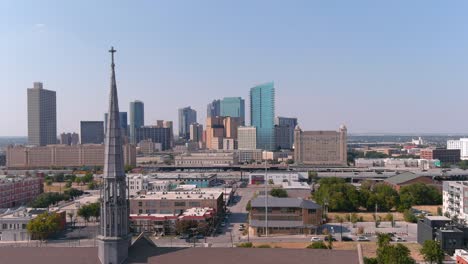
332	65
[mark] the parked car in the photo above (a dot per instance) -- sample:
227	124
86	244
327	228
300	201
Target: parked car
346	239
315	239
362	238
223	224
399	239
200	236
241	228
332	238
184	236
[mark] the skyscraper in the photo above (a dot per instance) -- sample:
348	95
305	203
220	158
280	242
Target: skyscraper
233	107
196	132
42	116
187	116
137	118
92	132
113	239
284	132
213	109
262	113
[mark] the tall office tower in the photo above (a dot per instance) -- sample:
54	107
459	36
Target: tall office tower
196	132
262	113
137	118
69	139
170	125
160	123
231	124
113	239
213	109
42	116
123	124
187	116
284	132
246	138
156	134
323	148
92	132
214	132
233	107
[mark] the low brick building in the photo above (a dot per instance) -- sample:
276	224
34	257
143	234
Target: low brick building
19	190
408	178
285	216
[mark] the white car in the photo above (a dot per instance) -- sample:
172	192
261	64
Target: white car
399	239
315	239
362	238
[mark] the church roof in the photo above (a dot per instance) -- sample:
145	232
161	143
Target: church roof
143	253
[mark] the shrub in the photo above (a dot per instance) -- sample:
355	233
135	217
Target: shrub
245	245
263	246
318	245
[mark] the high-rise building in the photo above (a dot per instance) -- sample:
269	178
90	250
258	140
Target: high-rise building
231	124
246	138
114	238
156	134
137	118
233	107
187	116
42	116
214	132
213	109
69	139
323	148
262	113
196	132
92	132
170	125
284	132
123	124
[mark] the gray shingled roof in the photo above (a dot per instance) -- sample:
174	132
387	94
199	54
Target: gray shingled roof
284	202
402	178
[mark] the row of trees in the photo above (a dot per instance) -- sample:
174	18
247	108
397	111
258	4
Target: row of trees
90	210
46	199
339	195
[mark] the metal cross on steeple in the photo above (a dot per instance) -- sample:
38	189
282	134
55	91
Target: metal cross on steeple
112	51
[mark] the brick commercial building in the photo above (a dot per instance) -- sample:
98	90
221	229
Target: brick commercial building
20	157
285	216
320	148
19	190
176	202
444	155
207	159
408	178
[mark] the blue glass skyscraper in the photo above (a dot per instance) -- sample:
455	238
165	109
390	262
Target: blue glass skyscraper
137	118
262	114
233	107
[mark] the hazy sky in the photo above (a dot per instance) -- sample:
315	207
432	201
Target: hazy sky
376	66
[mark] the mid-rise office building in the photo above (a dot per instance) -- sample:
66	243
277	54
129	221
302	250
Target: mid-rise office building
63	156
231	125
137	118
156	134
455	199
213	109
462	145
196	132
69	139
92	132
233	107
214	129
247	138
42	116
321	148
284	132
444	155
187	116
262	113
19	190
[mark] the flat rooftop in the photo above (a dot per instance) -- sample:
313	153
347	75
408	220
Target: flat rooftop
180	195
438	218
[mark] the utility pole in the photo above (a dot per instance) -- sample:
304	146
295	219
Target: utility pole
266	199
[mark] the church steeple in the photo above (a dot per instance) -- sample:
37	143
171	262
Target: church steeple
114	239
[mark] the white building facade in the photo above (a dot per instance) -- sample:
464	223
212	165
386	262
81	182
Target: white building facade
461	144
455	200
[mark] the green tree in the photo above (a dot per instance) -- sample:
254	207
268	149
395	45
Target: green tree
418	194
318	245
248	207
44	200
128	168
90	210
271	182
330	241
339	195
59	177
277	192
43	225
68	184
432	252
382	195
87	178
92	185
392	254
312	177
409	216
72	193
245	245
185	226
48	182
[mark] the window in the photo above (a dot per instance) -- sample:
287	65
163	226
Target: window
312	211
194	204
140	203
179	203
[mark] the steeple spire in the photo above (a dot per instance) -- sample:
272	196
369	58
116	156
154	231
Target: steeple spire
113	240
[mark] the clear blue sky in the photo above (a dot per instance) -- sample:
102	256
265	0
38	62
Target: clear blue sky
376	66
